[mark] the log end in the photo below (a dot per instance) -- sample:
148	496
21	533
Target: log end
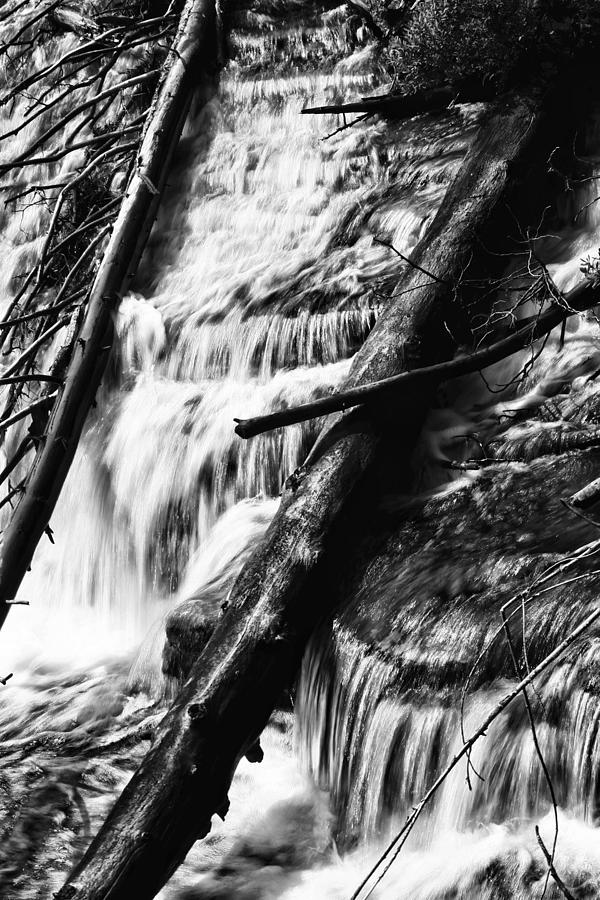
244	428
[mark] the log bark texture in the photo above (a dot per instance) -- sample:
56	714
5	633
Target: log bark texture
279	598
193	63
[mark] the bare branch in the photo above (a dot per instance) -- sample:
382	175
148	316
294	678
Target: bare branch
55	154
387	858
33	347
58	126
29	24
550	860
94	162
21	452
408	260
549	856
25	379
580	298
87	52
403	105
82	258
26	411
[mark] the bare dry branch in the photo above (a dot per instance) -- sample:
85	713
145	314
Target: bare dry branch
111	91
580	298
26	411
381	867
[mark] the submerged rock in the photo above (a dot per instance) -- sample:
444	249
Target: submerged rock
209	579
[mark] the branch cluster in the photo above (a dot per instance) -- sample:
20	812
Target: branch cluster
72	125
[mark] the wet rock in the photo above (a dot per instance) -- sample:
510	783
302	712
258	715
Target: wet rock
210	577
437	586
289	837
188	628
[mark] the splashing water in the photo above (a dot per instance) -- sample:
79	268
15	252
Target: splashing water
261	280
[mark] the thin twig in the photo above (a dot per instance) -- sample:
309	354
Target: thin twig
393	849
411	262
550	860
34	346
27	410
551	870
581	297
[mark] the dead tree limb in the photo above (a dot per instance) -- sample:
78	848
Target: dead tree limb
23	413
394	388
4	48
25	156
192	62
74	269
277	602
82	52
23	379
33	347
403	106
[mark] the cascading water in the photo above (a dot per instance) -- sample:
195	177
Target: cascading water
262	278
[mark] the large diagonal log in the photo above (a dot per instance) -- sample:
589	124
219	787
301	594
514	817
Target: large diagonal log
278	598
192	65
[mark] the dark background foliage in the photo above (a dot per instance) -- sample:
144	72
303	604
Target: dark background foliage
490	42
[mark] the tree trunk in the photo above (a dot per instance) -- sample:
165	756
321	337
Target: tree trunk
193	64
279	597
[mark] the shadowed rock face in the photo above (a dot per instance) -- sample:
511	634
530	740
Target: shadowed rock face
432	597
420	626
188	628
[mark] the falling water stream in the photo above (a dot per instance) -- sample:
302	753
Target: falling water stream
262	278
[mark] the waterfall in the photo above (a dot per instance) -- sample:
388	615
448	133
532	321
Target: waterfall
262	277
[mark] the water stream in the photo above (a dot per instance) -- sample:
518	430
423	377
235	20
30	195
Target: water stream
262	278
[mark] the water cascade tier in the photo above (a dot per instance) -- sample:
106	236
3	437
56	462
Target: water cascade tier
266	269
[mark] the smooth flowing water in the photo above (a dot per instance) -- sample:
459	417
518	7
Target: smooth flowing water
263	276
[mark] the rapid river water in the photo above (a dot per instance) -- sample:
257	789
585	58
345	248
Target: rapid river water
262	278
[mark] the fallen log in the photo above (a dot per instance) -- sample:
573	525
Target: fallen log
281	593
580	298
403	106
192	64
